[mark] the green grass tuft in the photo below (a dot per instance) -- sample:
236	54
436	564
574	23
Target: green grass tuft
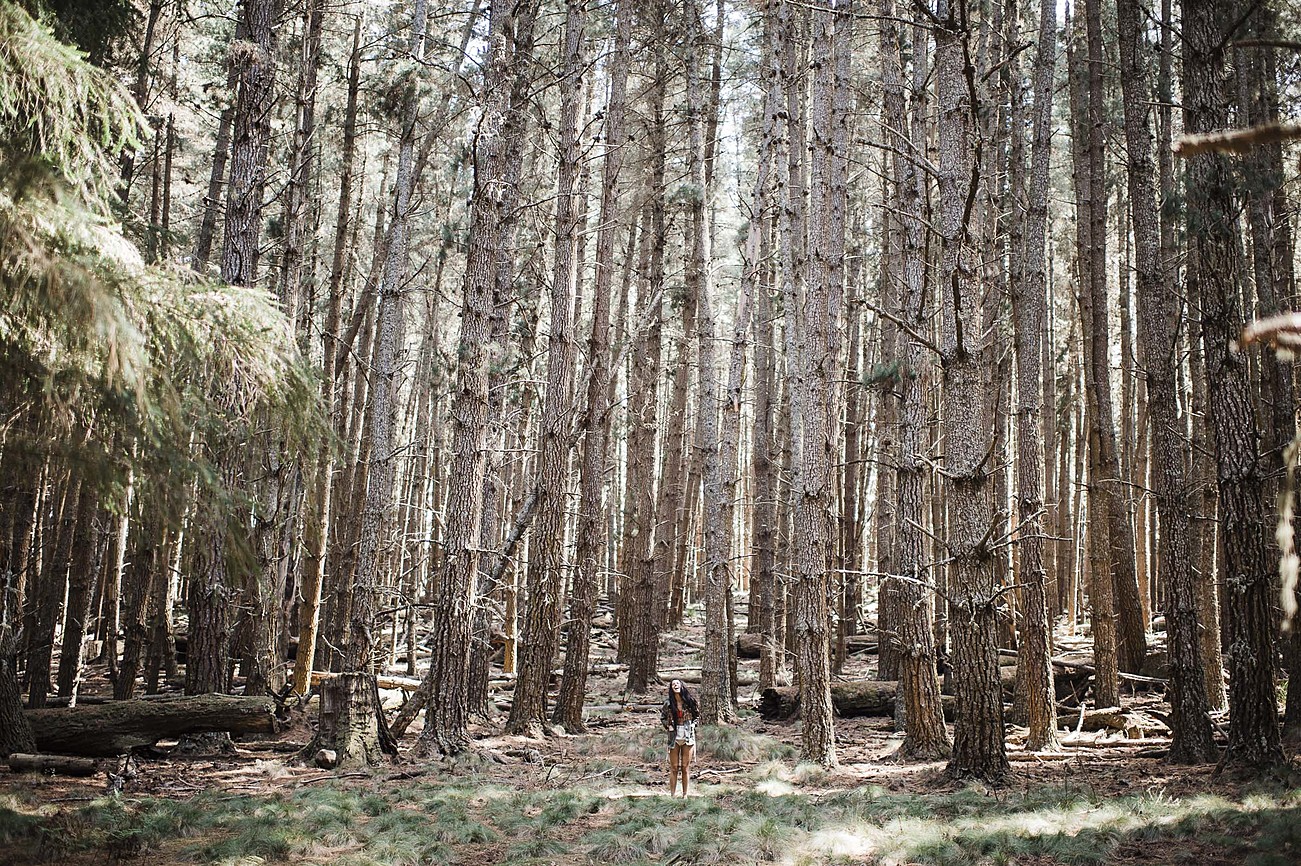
728	743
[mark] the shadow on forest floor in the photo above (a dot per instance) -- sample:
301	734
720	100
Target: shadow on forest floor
599	798
601	811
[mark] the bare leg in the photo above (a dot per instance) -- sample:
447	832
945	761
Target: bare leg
673	770
685	764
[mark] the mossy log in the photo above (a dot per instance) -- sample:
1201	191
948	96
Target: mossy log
850	700
116	728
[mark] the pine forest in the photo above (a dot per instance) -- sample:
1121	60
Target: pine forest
649	432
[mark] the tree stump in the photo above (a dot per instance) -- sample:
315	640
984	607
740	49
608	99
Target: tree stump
352	724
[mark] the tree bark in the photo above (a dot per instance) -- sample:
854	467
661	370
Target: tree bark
545	577
1157	312
446	685
1214	243
978	748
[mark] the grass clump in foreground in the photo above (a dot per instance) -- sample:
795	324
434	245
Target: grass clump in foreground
472	821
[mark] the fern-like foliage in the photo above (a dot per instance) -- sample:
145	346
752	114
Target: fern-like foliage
122	364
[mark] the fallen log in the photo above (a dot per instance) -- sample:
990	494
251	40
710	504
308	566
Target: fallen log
1109	718
850	700
116	728
60	764
1086	668
749	646
406	684
743	678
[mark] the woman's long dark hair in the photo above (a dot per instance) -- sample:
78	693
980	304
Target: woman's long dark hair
688	700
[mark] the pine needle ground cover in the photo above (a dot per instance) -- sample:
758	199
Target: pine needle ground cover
598	809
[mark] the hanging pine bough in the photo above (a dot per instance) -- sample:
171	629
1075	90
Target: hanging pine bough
1282	333
119	371
84	322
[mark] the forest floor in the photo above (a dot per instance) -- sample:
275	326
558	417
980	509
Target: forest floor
600	798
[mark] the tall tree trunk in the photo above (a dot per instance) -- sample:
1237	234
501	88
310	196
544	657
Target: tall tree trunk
763	577
1214	244
925	737
1028	316
645	598
1131	642
446	684
978	748
545	576
1158	343
1096	543
812	488
596	418
715	675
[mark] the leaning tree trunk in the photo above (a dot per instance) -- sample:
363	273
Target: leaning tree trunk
1159	347
1214	244
352	723
978	748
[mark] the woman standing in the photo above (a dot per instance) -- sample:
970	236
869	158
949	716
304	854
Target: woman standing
678	716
